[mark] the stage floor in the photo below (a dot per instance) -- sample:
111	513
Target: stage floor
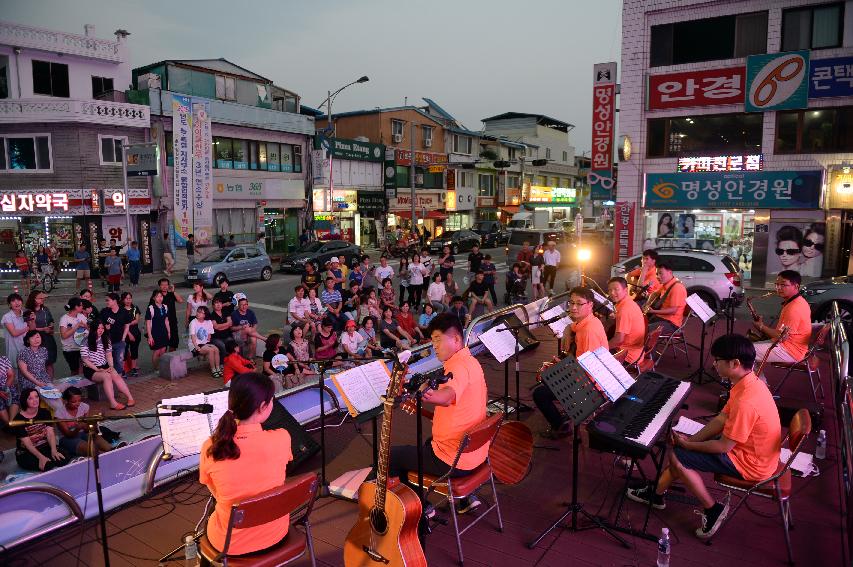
141	533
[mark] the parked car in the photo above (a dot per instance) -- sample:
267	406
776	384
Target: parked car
821	293
238	263
458	240
538	238
492	233
320	252
709	275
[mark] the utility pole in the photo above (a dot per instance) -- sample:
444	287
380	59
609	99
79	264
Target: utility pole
412	176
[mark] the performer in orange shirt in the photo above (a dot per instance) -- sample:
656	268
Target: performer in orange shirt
668	309
743	441
795	315
586	333
630	330
460	405
644	280
241	460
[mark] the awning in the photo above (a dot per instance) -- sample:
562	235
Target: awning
436	215
551	205
510	210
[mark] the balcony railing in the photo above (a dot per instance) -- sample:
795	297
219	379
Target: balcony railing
71	110
61	42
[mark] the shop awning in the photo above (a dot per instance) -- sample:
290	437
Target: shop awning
435	215
510	210
550	205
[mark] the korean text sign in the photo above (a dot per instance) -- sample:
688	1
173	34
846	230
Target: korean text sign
735	189
181	138
831	77
623	231
603	120
696	88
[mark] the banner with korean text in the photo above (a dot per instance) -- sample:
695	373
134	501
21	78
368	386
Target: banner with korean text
696	88
623	231
182	170
734	189
202	168
603	125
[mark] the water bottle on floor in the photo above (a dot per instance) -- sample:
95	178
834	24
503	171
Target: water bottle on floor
663	548
190	552
820	448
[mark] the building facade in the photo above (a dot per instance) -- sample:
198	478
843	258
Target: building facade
241	147
64	122
738	117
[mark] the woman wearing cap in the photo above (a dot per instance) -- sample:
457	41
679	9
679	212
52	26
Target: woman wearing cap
352	342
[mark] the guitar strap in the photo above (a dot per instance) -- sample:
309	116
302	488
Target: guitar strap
669	289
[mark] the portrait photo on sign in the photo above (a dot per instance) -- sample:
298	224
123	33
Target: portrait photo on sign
796	245
666	227
686	226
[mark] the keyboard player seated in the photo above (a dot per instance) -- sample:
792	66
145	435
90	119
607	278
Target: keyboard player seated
586	333
742	441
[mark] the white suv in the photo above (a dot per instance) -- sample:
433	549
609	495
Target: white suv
711	276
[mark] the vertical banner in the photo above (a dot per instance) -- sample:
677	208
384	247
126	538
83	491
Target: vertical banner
623	231
603	125
202	176
181	138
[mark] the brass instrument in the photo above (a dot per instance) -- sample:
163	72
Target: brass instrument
753	334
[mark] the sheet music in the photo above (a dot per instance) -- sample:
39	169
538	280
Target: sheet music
558	327
803	462
601	300
376	374
603	377
357	389
698	305
500	343
184	434
687	426
615	367
219	401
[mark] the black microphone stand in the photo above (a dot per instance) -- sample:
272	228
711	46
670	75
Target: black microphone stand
91	422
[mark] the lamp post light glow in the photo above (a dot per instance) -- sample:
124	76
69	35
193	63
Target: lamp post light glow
584	256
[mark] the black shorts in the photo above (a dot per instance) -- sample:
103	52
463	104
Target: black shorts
72	357
88	372
707	462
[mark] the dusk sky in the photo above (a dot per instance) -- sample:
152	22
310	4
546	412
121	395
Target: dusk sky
474	58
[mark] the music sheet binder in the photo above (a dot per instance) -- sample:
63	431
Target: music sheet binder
363	387
700	308
183	435
500	342
573	388
607	372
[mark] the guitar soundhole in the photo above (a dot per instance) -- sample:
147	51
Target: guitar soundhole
378	521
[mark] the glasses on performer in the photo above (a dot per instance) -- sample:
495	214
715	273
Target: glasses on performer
577	304
788	251
808	243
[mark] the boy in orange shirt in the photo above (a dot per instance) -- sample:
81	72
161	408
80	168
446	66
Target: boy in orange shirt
795	315
743	441
630	332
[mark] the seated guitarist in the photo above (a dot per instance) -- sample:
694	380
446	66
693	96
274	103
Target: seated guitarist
586	333
460	404
743	441
795	315
644	280
668	310
630	332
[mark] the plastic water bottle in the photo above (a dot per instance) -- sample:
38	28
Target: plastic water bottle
663	548
190	551
820	448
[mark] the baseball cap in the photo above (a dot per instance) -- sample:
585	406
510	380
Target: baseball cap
350	324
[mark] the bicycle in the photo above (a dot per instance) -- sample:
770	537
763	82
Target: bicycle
42	277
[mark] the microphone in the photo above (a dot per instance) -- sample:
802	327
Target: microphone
199	408
554	319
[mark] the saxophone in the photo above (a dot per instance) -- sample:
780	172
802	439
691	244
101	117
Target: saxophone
753	334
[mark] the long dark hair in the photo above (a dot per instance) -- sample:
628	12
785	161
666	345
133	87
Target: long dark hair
248	391
93	336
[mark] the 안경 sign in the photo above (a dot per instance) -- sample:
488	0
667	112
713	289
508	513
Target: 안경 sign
736	189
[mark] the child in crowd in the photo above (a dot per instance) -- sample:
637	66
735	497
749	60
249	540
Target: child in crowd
458	309
235	363
200	335
373	308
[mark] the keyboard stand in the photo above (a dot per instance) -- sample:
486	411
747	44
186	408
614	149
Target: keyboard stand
658	463
580	398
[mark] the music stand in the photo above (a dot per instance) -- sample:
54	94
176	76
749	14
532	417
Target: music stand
580	398
703	312
500	357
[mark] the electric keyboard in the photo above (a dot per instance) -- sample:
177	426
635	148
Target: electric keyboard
635	422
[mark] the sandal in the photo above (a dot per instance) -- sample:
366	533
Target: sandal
131	403
119	407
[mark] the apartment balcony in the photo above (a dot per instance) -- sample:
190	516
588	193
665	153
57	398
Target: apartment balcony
21	111
62	42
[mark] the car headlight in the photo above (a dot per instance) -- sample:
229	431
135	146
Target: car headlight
206	270
812	292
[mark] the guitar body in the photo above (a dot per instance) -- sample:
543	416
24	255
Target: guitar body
399	543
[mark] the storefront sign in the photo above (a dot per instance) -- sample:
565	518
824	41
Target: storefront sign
544	194
344	200
404	157
350	149
747	189
696	88
256	189
753	162
390	174
370	201
603	110
40	202
831	77
141	160
202	172
35	202
450	179
465	198
623	231
486	201
601	184
182	141
429	201
777	81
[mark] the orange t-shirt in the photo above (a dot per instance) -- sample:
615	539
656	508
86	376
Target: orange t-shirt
450	423
752	422
631	323
797	316
650	280
677	297
261	466
589	335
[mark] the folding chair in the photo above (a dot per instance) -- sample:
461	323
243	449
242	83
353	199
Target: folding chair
454	488
778	486
644	363
676	340
270	505
809	364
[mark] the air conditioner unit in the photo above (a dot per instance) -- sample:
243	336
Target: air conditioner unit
428	143
398	138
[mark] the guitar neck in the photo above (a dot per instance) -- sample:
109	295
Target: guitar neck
385	438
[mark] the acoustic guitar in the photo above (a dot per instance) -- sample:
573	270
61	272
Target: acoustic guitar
386	531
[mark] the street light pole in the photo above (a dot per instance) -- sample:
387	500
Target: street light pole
412	176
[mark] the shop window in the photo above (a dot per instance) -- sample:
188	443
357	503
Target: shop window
814	27
818	130
697	135
101	86
240	153
111	149
223	153
273	156
708	39
27	153
50	79
403	176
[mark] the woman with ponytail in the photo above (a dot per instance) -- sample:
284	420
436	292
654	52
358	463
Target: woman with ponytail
241	460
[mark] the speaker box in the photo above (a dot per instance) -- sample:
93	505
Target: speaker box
302	444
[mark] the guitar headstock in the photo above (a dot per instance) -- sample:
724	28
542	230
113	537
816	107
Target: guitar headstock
398	375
